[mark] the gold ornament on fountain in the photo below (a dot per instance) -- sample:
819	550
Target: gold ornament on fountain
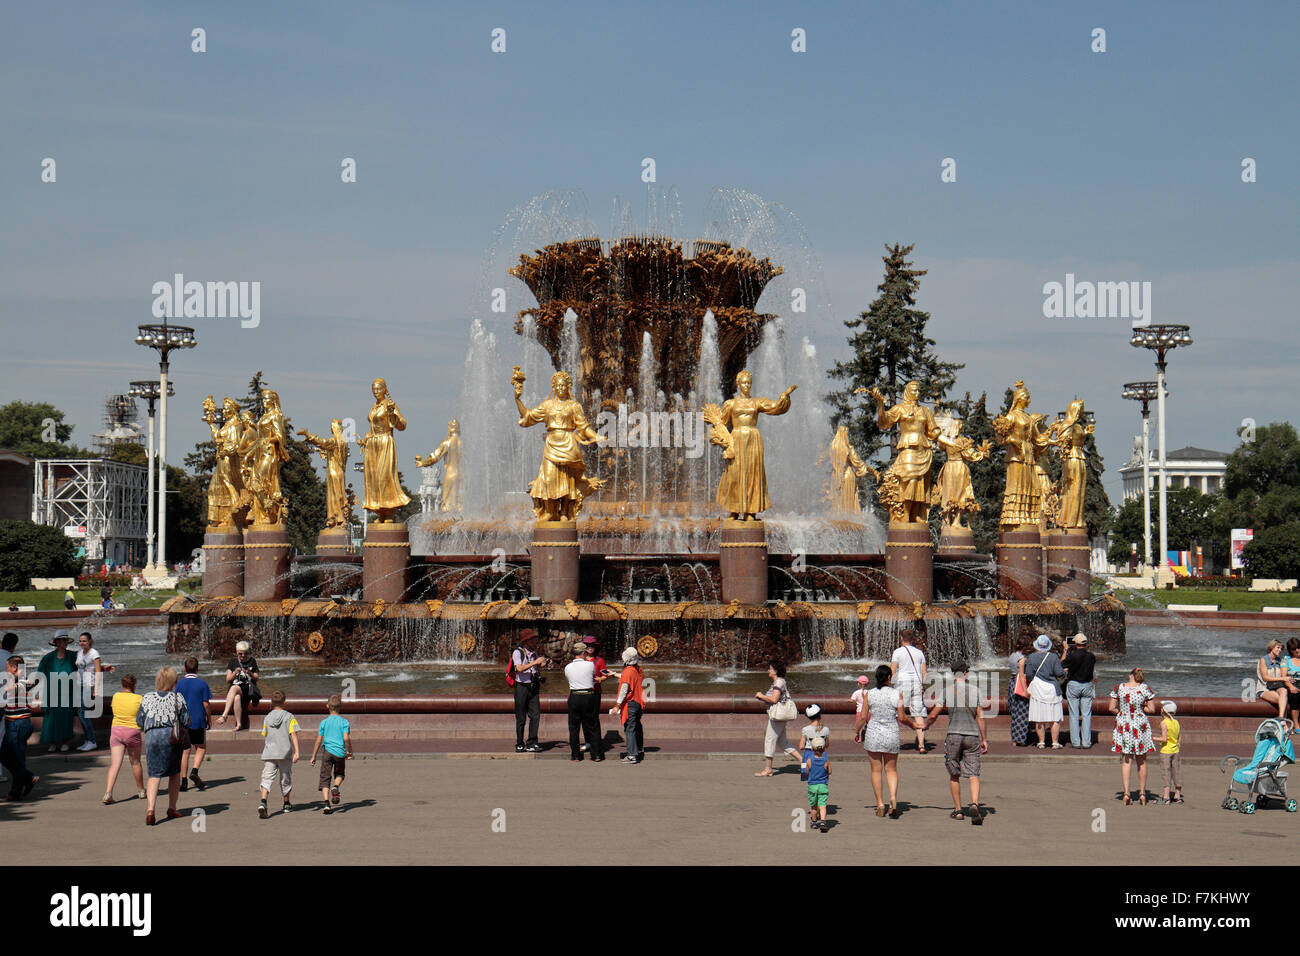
905	489
448	452
742	490
561	483
268	450
1022	434
384	494
846	468
227	496
334	452
953	492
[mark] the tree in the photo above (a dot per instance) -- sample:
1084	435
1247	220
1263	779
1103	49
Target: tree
1274	552
1261	484
37	430
1192	519
890	349
29	550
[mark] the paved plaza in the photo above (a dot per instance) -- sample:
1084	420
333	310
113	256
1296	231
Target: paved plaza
696	809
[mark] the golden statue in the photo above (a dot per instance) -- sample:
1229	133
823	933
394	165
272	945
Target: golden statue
561	481
1026	442
269	449
906	492
449	453
953	492
384	494
334	452
227	497
1071	436
846	468
742	490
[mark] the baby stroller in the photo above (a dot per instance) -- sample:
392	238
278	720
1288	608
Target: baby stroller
1264	778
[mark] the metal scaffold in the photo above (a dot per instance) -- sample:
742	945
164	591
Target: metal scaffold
104	501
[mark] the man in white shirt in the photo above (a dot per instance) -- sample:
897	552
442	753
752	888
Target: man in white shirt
907	670
581	675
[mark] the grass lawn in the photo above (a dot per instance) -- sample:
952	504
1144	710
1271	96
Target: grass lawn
1228	600
53	600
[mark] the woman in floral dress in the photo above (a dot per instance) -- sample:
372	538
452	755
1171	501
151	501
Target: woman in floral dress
1130	702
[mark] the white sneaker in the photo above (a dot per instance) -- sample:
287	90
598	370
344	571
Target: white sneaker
87	746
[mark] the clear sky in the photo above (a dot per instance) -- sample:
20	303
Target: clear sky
225	165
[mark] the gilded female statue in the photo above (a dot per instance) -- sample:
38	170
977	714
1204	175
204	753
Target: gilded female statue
270	449
447	452
226	495
334	452
561	481
846	468
384	494
742	489
909	501
1072	436
953	492
1025	440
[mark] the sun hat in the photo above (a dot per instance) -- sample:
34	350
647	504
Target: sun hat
819	743
630	655
1169	707
579	648
60	635
1044	643
813	710
864	679
590	640
527	634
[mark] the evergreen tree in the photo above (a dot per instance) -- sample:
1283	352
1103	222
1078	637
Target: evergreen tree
890	349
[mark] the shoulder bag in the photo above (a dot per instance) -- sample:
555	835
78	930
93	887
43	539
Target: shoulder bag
784	708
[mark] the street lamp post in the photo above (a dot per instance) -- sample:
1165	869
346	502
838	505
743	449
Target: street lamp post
360	468
163	337
1161	339
148	390
1144	392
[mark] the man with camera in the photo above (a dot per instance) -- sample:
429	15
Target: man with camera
241	678
526	668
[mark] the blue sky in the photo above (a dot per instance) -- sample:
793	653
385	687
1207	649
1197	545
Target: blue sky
1115	166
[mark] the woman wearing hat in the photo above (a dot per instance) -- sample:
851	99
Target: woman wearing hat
1043	668
58	672
630	705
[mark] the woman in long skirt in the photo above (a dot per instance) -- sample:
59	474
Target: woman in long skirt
58	668
1017	706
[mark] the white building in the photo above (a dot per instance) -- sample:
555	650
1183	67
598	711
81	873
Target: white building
1188	467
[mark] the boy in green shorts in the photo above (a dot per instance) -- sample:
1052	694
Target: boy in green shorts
335	736
818	767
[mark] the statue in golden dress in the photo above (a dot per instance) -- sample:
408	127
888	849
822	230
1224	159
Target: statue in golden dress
905	489
1022	434
1072	437
448	452
227	499
334	452
384	494
742	490
846	468
953	492
269	450
561	481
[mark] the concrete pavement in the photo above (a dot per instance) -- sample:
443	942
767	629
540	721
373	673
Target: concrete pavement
685	809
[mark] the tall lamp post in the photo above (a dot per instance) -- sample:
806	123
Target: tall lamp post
1144	392
163	338
360	468
1161	339
148	390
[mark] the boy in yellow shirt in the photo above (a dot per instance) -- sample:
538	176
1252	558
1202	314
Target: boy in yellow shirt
1170	757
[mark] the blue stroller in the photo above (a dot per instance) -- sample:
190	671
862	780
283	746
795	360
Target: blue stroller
1264	778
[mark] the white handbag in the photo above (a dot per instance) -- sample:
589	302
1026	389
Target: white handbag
784	708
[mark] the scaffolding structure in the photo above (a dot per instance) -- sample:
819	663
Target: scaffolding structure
104	502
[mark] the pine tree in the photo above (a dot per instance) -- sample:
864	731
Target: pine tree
890	349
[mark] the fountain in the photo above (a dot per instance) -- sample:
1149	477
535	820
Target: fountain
653	331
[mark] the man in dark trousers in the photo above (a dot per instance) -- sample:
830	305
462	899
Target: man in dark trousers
581	675
528	684
1080	689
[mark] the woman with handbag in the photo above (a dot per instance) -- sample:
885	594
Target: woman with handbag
165	719
1018	697
781	709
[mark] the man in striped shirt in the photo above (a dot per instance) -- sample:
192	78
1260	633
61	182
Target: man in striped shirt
18	708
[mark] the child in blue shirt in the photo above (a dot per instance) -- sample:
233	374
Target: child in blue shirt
818	767
334	735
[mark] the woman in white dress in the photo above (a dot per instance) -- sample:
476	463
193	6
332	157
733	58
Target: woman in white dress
881	717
